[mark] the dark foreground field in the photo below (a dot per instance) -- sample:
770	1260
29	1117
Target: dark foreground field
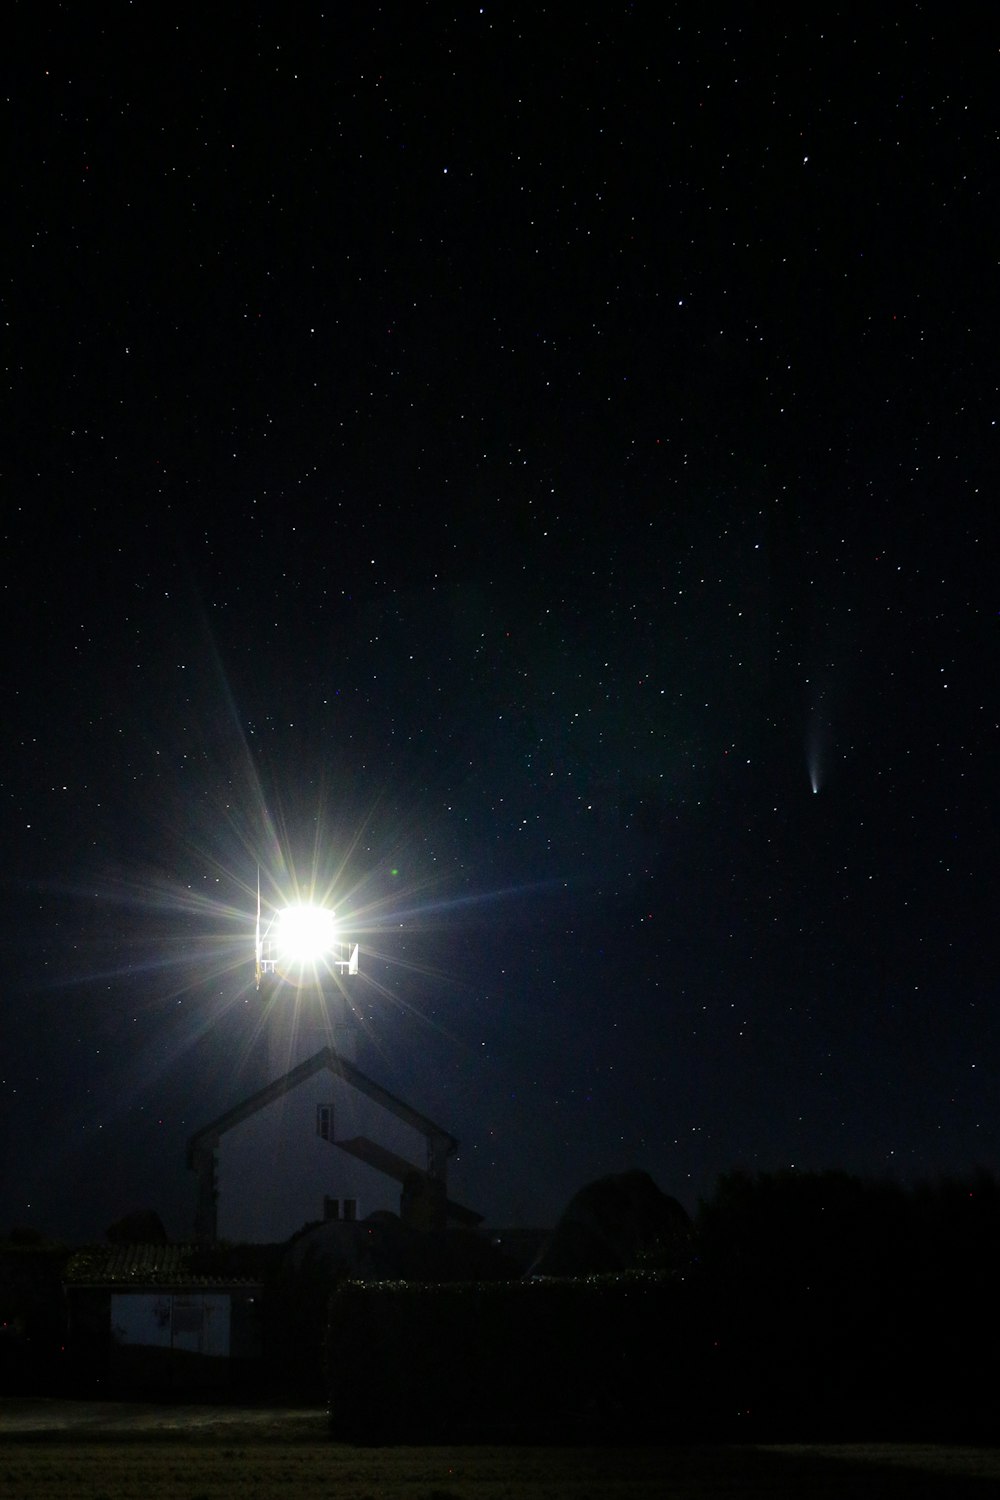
116	1452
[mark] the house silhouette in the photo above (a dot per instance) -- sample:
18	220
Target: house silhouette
321	1142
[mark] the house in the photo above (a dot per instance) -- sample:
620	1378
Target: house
321	1142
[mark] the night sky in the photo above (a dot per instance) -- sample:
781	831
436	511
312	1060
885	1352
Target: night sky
527	471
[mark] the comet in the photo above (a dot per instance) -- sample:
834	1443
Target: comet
817	738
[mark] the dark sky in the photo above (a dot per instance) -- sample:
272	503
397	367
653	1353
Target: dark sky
529	469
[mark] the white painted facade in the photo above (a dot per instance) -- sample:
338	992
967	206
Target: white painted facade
297	1025
275	1171
196	1322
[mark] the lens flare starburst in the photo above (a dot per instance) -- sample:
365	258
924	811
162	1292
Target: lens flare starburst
305	933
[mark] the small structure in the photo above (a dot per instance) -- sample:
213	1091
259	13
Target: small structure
322	1142
168	1316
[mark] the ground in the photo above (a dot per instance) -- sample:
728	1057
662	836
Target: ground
129	1451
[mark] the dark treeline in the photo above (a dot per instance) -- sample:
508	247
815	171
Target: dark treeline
797	1306
837	1304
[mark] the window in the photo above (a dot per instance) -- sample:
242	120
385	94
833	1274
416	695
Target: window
324	1121
336	1210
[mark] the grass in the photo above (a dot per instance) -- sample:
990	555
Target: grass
269	1456
193	1471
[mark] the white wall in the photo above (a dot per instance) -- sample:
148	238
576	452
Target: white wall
274	1171
298	1023
195	1321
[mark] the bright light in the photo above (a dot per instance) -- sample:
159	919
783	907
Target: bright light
305	933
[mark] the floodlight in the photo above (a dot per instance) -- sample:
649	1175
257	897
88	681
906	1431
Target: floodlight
305	934
299	938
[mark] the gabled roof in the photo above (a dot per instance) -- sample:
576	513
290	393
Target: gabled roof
326	1058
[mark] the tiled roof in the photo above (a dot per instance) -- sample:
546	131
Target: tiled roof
166	1265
